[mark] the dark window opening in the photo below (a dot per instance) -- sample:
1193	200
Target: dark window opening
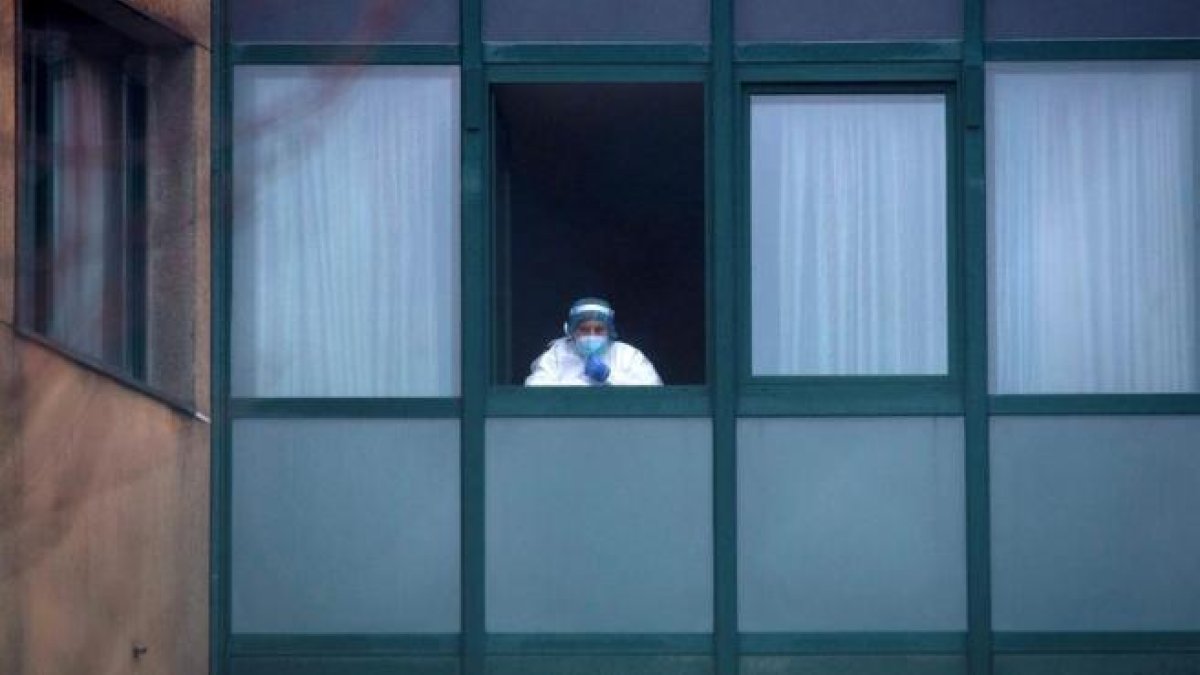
598	190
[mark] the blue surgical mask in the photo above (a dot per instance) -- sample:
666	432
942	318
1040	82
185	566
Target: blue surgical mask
590	344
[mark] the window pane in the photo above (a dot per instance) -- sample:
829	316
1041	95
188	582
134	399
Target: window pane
851	525
345	526
599	525
845	664
1095	663
346	232
78	242
848	234
596	20
1029	19
345	21
584	662
1093	227
1094	523
847	20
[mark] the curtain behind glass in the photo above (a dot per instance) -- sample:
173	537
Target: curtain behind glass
346	232
849	235
86	234
1093	219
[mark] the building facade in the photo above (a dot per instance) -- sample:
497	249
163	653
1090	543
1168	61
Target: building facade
923	284
104	439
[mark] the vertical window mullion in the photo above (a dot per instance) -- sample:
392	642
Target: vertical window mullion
134	220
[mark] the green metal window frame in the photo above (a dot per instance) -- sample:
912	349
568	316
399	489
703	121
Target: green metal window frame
996	405
1048	52
774	395
728	70
515	400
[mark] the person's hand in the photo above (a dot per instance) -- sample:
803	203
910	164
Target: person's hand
596	368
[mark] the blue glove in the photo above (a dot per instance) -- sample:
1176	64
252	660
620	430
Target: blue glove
596	368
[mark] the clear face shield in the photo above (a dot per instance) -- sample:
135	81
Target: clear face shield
590	327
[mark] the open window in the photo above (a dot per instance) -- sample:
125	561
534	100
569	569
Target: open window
598	190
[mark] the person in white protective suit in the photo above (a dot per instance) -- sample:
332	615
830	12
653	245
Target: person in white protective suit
589	353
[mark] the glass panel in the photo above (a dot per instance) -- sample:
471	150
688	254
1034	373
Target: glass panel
1094	523
1032	19
1092	210
600	664
852	524
1094	664
599	525
345	21
78	171
346	231
339	662
595	20
345	526
857	664
846	20
848	234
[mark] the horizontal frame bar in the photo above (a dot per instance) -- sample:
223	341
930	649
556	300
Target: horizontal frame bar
673	401
1123	642
1113	50
336	408
923	72
1130	642
358	54
551	73
594	53
343	645
599	643
842	52
1095	404
854	643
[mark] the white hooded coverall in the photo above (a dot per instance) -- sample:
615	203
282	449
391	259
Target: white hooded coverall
561	365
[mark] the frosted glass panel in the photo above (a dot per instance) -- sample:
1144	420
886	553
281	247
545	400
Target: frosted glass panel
345	526
1096	664
848	234
851	525
346	21
599	525
600	664
345	242
1095	522
847	20
1093	227
1092	19
595	20
852	664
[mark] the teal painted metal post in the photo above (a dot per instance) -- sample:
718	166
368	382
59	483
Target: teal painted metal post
721	97
975	395
474	224
220	208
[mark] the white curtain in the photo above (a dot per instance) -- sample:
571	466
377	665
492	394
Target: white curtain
1093	227
346	231
87	242
848	234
